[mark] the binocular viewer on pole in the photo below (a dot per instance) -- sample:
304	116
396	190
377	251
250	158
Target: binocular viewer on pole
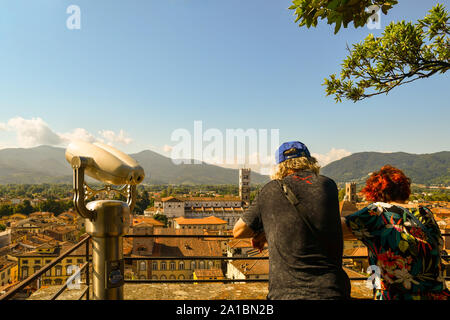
106	221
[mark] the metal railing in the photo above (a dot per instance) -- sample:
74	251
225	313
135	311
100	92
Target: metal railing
85	267
34	277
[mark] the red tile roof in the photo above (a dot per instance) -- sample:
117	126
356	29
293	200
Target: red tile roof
196	221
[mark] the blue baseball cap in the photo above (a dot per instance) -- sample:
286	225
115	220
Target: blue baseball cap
301	151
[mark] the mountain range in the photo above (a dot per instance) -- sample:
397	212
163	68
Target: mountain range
428	169
45	164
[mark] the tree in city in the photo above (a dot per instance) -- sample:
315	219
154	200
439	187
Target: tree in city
25	207
161	218
405	52
6	210
54	206
142	202
341	194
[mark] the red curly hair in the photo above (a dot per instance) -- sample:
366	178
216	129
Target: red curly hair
388	184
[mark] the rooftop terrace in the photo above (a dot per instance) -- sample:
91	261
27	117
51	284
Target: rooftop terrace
201	291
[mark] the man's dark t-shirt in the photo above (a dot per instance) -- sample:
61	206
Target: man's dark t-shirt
301	266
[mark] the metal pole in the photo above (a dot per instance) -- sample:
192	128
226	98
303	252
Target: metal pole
88	282
106	251
111	222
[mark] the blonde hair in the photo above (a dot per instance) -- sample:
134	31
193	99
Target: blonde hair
286	167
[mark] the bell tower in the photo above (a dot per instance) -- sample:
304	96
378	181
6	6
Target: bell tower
350	192
244	185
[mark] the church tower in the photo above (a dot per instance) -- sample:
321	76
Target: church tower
350	192
244	185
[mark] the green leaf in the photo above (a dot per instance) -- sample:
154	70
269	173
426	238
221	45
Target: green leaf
403	245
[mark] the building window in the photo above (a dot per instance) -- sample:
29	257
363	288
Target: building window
155	265
80	261
181	265
163	277
172	265
163	265
181	277
36	268
25	261
142	266
193	265
69	261
172	277
37	261
24	272
48	273
58	281
69	270
47	261
202	265
58	270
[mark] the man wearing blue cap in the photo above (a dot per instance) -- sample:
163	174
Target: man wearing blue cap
298	213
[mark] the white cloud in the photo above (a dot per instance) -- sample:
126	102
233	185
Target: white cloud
79	134
33	132
332	155
111	137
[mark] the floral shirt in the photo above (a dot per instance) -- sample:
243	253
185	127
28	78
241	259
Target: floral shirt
406	247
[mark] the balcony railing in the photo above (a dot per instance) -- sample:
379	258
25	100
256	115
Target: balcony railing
37	275
85	267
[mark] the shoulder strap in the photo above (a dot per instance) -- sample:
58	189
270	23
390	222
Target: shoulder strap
300	208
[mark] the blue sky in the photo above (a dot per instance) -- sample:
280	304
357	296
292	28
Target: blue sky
139	69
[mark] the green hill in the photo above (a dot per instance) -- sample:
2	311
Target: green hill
46	164
428	169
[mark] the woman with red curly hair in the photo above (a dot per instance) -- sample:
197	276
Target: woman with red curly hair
404	245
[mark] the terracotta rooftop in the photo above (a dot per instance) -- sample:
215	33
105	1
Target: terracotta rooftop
361	251
347	207
148	220
208	273
227	198
166	247
253	267
199	199
240	243
196	221
169	199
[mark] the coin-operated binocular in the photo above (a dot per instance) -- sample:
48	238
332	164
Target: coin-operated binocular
106	221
